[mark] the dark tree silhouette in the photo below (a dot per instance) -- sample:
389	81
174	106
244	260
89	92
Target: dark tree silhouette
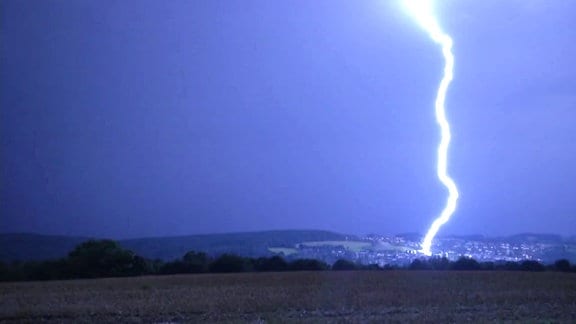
562	265
419	264
342	264
531	265
229	263
103	258
307	265
195	262
465	263
488	265
376	266
172	267
439	263
509	266
275	263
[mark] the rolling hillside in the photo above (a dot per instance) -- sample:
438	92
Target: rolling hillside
40	247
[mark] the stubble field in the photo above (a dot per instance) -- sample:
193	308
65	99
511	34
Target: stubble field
309	297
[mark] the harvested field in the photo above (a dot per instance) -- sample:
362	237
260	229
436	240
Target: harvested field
309	297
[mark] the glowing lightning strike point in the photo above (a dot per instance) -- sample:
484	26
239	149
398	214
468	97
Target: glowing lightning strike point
423	12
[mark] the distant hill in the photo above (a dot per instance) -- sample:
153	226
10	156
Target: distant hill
322	245
516	238
40	247
247	244
532	237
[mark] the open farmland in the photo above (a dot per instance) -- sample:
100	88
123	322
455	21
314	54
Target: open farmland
357	296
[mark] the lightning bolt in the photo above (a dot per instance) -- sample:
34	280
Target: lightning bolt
423	13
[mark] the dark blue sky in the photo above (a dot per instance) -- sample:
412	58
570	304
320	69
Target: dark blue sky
147	118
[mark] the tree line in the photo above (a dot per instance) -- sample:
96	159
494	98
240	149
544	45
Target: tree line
106	258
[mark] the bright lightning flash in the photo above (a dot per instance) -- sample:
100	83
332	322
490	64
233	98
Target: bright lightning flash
422	11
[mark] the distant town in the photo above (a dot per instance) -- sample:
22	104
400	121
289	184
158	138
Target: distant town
400	249
403	249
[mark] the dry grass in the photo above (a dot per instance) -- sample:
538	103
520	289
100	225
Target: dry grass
309	297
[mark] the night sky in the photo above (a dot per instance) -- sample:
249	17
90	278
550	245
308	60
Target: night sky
150	118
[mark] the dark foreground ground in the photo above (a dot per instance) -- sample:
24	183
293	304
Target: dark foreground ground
310	297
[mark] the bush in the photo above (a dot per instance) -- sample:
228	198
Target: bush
228	263
531	265
275	263
195	262
172	267
508	266
438	263
342	264
307	265
488	265
465	263
419	264
562	265
103	258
